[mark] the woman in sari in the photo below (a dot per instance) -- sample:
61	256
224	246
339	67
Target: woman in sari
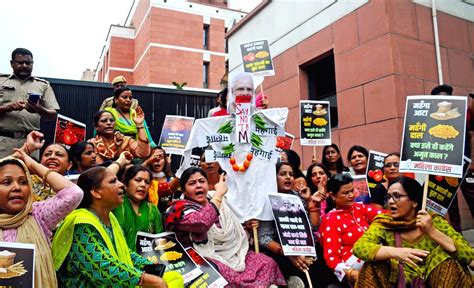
109	144
124	116
136	213
215	232
411	246
89	249
25	221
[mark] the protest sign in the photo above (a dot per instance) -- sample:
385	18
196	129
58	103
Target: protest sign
315	123
256	58
175	133
374	170
442	190
165	249
69	131
210	278
284	142
433	135
17	262
293	226
361	189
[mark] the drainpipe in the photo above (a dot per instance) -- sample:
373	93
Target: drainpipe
436	39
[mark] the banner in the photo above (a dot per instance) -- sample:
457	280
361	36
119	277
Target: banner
374	170
284	142
433	135
69	131
165	249
361	189
17	262
210	277
175	133
315	123
256	58
294	230
442	190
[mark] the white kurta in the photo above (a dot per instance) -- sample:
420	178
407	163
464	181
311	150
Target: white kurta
248	191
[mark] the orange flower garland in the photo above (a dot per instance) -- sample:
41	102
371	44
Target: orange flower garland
241	168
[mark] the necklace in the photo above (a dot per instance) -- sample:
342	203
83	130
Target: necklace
245	165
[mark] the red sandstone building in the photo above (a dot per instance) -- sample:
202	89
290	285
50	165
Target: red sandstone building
169	41
363	56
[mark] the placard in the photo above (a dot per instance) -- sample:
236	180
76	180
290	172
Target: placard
165	249
175	133
210	277
442	190
69	131
374	170
433	135
361	189
256	58
285	142
294	230
17	262
315	123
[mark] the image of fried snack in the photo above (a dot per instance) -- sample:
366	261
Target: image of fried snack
320	121
443	131
262	54
452	181
171	256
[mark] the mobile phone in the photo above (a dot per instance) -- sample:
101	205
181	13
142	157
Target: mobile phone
34	97
155	269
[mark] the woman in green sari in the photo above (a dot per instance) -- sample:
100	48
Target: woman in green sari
136	213
124	115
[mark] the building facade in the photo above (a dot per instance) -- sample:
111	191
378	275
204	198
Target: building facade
168	41
363	56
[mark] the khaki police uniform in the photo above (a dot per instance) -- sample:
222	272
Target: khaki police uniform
15	125
108	102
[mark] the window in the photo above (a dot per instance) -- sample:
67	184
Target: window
205	36
322	83
205	75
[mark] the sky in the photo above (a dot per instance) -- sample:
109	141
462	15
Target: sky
66	37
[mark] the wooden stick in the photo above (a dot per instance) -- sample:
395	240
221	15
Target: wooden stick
425	192
308	278
255	240
261	88
315	159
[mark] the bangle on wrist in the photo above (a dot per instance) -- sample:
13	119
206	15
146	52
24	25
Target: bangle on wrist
217	199
45	177
141	279
314	209
116	162
139	127
27	151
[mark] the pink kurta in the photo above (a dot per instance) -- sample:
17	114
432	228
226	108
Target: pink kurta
50	212
260	270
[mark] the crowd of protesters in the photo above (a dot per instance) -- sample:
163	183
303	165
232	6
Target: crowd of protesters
85	231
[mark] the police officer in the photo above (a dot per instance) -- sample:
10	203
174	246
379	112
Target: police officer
24	99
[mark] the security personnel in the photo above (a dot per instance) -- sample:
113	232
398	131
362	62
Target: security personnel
118	82
24	99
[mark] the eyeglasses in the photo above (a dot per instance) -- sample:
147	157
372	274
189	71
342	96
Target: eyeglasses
396	197
394	164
